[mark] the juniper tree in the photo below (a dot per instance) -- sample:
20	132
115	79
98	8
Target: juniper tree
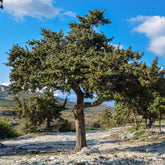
157	105
105	117
36	108
151	87
83	62
126	110
154	84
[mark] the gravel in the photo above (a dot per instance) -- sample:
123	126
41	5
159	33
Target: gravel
104	148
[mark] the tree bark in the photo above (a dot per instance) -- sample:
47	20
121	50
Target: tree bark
151	121
146	123
79	120
136	121
80	130
48	124
79	116
160	117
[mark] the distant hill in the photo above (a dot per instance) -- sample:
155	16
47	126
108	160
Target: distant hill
5	98
3	88
70	105
3	91
6	101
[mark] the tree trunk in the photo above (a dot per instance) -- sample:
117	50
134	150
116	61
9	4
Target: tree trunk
108	122
146	123
160	117
48	124
79	116
80	130
79	121
151	121
136	121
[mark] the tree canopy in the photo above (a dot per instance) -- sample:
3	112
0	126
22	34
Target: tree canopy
83	61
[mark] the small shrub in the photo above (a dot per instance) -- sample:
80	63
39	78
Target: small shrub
79	163
6	131
96	125
65	126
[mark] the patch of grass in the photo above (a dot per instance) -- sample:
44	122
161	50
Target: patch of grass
90	128
143	140
79	163
131	129
139	133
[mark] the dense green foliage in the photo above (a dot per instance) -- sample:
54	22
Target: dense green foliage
150	105
37	108
6	131
104	118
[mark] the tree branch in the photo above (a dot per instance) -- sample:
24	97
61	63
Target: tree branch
91	104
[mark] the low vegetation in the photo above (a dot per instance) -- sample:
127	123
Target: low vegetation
6	131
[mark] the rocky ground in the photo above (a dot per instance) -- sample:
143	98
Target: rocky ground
114	146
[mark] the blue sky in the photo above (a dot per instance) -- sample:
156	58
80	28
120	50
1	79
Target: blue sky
140	24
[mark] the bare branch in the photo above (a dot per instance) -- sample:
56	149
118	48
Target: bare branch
91	104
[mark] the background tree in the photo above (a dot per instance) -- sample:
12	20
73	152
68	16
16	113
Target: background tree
83	62
126	112
151	85
36	108
157	106
154	83
105	117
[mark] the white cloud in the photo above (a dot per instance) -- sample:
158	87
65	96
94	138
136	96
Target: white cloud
70	14
5	83
71	96
138	18
58	94
153	27
33	8
157	46
116	46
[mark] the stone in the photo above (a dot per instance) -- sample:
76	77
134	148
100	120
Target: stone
52	157
33	152
58	149
88	151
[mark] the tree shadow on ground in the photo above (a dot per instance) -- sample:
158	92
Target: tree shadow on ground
152	148
158	147
40	147
124	161
35	147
